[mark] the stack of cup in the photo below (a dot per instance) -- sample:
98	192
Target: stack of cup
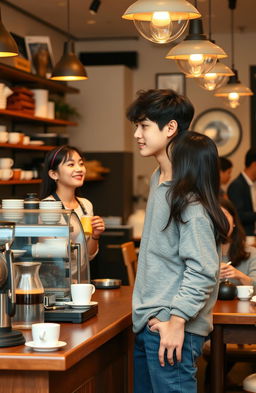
49	216
3	134
12	209
6	172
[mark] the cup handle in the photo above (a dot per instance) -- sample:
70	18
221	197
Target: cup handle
93	289
250	291
42	336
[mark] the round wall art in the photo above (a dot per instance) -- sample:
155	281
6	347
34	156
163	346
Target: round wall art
222	127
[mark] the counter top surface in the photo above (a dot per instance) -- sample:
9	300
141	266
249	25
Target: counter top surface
114	316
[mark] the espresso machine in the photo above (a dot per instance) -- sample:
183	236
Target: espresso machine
8	337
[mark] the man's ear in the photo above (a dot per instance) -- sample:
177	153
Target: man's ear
53	175
172	128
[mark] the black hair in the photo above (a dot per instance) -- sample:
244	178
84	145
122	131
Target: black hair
52	161
161	106
250	157
237	252
225	164
195	168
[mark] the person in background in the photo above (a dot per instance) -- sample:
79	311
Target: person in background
242	271
175	288
242	193
64	173
225	174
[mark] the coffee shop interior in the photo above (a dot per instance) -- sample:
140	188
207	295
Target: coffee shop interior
39	111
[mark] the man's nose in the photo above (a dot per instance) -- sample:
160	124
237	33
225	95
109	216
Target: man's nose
137	133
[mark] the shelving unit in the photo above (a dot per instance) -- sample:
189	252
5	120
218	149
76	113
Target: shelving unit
12	182
27	147
29	118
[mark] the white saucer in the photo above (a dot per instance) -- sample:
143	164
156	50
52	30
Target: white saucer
44	348
86	305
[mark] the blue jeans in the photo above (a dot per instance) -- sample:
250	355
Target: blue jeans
150	377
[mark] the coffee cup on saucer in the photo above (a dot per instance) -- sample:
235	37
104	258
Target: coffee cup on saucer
45	334
82	293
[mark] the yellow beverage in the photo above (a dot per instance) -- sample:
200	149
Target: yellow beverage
86	224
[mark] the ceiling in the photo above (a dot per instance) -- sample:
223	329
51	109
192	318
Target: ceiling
107	23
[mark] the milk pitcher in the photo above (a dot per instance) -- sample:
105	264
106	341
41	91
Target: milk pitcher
29	295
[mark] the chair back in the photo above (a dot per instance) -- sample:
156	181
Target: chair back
130	260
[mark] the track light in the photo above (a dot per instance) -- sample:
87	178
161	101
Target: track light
95	4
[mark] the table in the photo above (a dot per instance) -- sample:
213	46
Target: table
234	322
97	358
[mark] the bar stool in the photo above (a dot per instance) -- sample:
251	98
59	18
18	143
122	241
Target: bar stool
249	383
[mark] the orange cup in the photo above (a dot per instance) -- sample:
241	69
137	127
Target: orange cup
86	224
16	173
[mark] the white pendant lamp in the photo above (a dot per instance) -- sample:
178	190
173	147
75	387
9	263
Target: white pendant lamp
196	55
234	89
217	77
161	21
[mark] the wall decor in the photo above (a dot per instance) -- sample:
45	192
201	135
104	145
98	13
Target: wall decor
222	126
40	54
174	81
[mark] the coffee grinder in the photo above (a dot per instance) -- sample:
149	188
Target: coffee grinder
8	337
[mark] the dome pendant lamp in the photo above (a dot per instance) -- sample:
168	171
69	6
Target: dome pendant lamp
234	89
69	68
218	75
195	56
161	21
8	46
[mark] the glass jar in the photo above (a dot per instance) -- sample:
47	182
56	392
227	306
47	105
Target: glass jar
29	295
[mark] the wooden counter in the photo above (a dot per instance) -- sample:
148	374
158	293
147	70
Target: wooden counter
97	358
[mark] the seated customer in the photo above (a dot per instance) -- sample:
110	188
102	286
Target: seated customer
242	271
243	194
225	174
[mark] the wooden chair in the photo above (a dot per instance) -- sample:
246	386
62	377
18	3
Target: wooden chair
130	260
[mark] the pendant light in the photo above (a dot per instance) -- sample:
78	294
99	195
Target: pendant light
8	46
234	89
161	21
69	68
218	75
196	55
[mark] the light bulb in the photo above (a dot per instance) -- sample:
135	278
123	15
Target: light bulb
233	100
212	81
196	65
161	26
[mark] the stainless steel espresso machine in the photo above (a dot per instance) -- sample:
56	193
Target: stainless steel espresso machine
8	337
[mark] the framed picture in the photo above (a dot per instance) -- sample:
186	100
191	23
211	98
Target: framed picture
39	52
174	81
222	127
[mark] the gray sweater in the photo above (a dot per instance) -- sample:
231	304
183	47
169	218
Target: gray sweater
248	266
178	267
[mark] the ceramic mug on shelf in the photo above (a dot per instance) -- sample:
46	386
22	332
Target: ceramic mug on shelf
3	136
6	174
16	173
6	163
14	137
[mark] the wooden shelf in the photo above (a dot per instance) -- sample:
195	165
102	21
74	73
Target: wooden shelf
16	76
11	182
27	147
27	117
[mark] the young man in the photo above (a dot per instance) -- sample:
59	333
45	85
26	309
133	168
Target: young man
175	286
225	174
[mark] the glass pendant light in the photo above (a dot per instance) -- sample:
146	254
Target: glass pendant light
218	75
234	89
69	68
196	55
8	46
161	21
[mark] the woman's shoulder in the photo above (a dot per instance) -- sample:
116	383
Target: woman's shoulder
85	202
194	209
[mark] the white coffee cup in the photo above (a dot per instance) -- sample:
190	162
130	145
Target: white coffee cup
6	162
6	174
45	334
28	175
244	292
14	137
3	136
82	293
26	140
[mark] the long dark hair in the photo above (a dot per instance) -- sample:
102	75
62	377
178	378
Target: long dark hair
237	252
52	161
195	167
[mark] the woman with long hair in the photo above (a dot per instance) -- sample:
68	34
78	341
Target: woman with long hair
64	173
242	270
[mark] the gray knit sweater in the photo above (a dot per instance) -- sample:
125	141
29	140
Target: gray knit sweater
178	267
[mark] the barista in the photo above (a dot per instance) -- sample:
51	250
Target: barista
64	172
